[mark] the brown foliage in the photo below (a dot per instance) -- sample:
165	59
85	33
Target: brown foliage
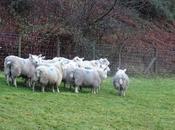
59	19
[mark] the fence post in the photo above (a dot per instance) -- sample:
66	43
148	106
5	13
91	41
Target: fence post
119	59
19	45
94	50
58	47
121	45
155	63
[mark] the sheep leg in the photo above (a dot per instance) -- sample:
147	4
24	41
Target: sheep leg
14	82
97	90
43	89
72	86
33	87
7	79
123	93
93	91
29	83
8	82
76	89
57	89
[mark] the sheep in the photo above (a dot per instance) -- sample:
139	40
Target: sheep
55	60
66	64
68	67
97	65
48	75
101	63
68	76
61	60
121	81
88	77
71	67
15	66
78	59
104	61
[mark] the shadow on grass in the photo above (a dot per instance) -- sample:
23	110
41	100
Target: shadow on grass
22	85
72	89
38	88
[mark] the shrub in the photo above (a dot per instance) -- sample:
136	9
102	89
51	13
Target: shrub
19	7
152	9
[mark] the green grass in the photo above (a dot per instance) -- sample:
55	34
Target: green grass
149	105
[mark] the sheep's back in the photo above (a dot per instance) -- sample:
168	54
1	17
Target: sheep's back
86	77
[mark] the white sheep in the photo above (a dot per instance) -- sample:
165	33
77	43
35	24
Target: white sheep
48	75
121	81
67	67
61	60
89	77
78	59
68	75
15	66
101	63
104	61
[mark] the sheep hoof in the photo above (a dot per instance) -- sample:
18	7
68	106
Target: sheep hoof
76	90
124	94
42	90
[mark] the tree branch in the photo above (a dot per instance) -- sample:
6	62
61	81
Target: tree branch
106	13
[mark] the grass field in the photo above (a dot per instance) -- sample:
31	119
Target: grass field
149	105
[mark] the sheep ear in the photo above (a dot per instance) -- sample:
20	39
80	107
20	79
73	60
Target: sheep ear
30	55
124	70
82	58
118	68
39	55
43	57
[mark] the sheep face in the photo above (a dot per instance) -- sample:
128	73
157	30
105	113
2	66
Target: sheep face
78	59
120	81
104	61
120	71
102	73
35	59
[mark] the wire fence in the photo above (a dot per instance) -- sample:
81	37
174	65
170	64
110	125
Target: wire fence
136	60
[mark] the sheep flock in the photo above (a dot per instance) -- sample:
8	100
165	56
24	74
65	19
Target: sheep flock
76	73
